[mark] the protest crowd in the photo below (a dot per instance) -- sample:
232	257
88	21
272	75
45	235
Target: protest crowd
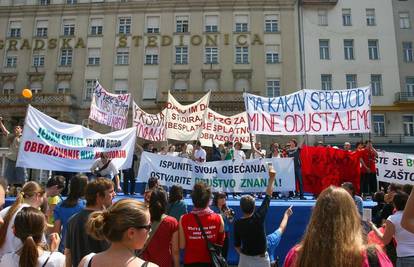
74	220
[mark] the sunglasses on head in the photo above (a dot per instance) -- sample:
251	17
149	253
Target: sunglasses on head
146	227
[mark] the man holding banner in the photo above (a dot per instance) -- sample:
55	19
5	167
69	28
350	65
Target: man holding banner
104	167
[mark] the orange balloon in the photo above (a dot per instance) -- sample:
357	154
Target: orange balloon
27	93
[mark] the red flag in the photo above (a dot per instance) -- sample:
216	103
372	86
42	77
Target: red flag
322	167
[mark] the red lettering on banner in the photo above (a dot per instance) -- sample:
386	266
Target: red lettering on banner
337	120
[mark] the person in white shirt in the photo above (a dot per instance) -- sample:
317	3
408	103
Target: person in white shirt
200	154
104	167
257	151
238	152
29	226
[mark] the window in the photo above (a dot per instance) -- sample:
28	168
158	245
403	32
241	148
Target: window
379	124
211	55
151	56
89	89
242	85
409	86
41	28
211	85
122	56
150	89
124	25
66	57
181	24
326	81
211	23
68	27
96	26
322	17
408	51
121	86
370	13
408	124
8	88
351	81
180	85
94	56
153	24
376	84
272	54
271	23
181	55
273	88
38	60
405	22
36	87
63	87
349	49
346	17
44	2
11	60
71	2
242	55
373	49
324	49
15	29
241	23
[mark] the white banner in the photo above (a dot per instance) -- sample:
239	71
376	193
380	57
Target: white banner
109	109
184	123
314	112
395	168
221	129
49	144
226	175
149	126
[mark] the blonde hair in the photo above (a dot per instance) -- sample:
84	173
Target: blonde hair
333	236
111	224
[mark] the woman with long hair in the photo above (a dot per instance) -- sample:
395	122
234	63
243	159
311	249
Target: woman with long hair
220	207
29	227
31	195
126	225
162	247
176	205
333	236
71	205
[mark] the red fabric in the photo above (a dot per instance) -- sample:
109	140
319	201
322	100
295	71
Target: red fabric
368	156
373	239
195	246
159	250
322	167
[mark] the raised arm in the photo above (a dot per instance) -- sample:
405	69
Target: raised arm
3	128
271	182
407	221
283	223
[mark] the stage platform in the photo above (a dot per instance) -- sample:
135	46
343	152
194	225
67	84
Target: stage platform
297	223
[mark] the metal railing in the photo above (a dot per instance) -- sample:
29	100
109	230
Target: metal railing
220	96
404	97
389	139
42	99
319	2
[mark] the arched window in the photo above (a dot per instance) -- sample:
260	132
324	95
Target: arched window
180	85
242	85
63	87
36	87
8	88
211	84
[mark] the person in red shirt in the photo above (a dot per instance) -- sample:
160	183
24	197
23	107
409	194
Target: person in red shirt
162	248
368	155
191	238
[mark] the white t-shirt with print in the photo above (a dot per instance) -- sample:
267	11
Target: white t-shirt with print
405	239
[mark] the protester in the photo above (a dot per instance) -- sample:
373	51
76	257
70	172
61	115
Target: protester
125	225
129	177
163	151
388	208
58	182
104	167
3	190
15	176
70	206
152	183
376	210
199	153
218	153
238	152
98	194
220	207
347	146
274	238
171	151
29	226
191	238
274	151
184	153
229	151
404	239
149	147
257	151
176	205
349	187
31	195
294	152
161	246
408	217
333	236
249	231
367	155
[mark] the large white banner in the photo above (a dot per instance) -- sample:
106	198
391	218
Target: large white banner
314	112
109	109
395	168
226	175
49	144
184	122
149	126
221	129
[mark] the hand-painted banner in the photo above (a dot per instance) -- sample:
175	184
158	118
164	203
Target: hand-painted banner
226	175
184	123
221	129
395	168
149	126
322	167
314	112
49	144
109	109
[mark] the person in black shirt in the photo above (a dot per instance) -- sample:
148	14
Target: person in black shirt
249	231
78	243
294	152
